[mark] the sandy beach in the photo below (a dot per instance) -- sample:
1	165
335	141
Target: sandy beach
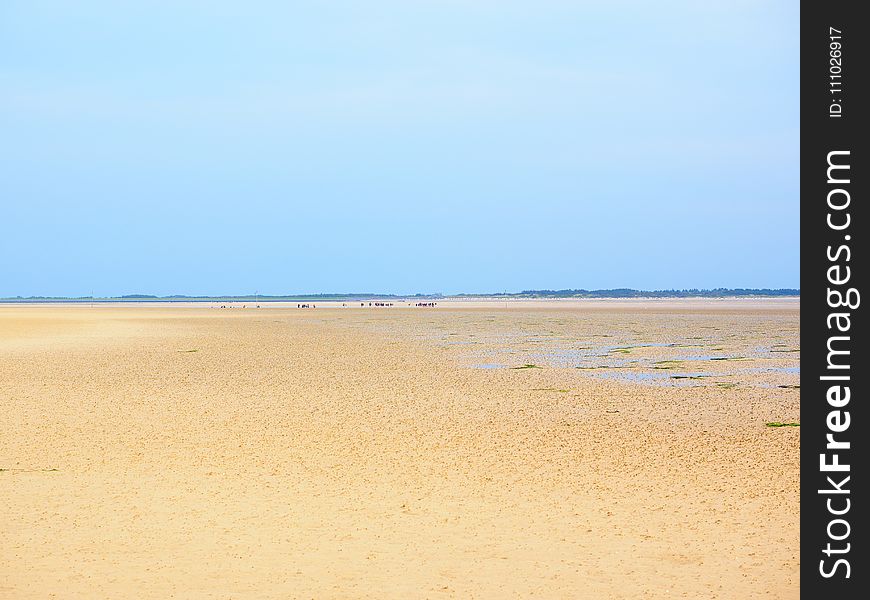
600	449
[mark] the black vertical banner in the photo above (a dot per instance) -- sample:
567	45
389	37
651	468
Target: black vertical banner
834	221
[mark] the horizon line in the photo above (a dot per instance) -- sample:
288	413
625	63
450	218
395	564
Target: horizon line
542	293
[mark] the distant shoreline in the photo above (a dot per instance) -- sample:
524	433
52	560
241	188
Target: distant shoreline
614	294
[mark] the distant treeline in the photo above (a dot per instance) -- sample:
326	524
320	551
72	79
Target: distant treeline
630	293
614	293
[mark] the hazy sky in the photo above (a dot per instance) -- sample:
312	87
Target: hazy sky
404	146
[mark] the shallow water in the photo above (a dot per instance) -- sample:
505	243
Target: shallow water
656	378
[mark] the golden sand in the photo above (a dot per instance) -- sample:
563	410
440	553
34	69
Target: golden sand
199	452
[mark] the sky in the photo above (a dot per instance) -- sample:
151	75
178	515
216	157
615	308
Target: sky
216	147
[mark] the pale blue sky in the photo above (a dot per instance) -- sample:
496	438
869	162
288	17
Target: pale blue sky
206	147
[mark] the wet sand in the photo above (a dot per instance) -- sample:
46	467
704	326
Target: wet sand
195	452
